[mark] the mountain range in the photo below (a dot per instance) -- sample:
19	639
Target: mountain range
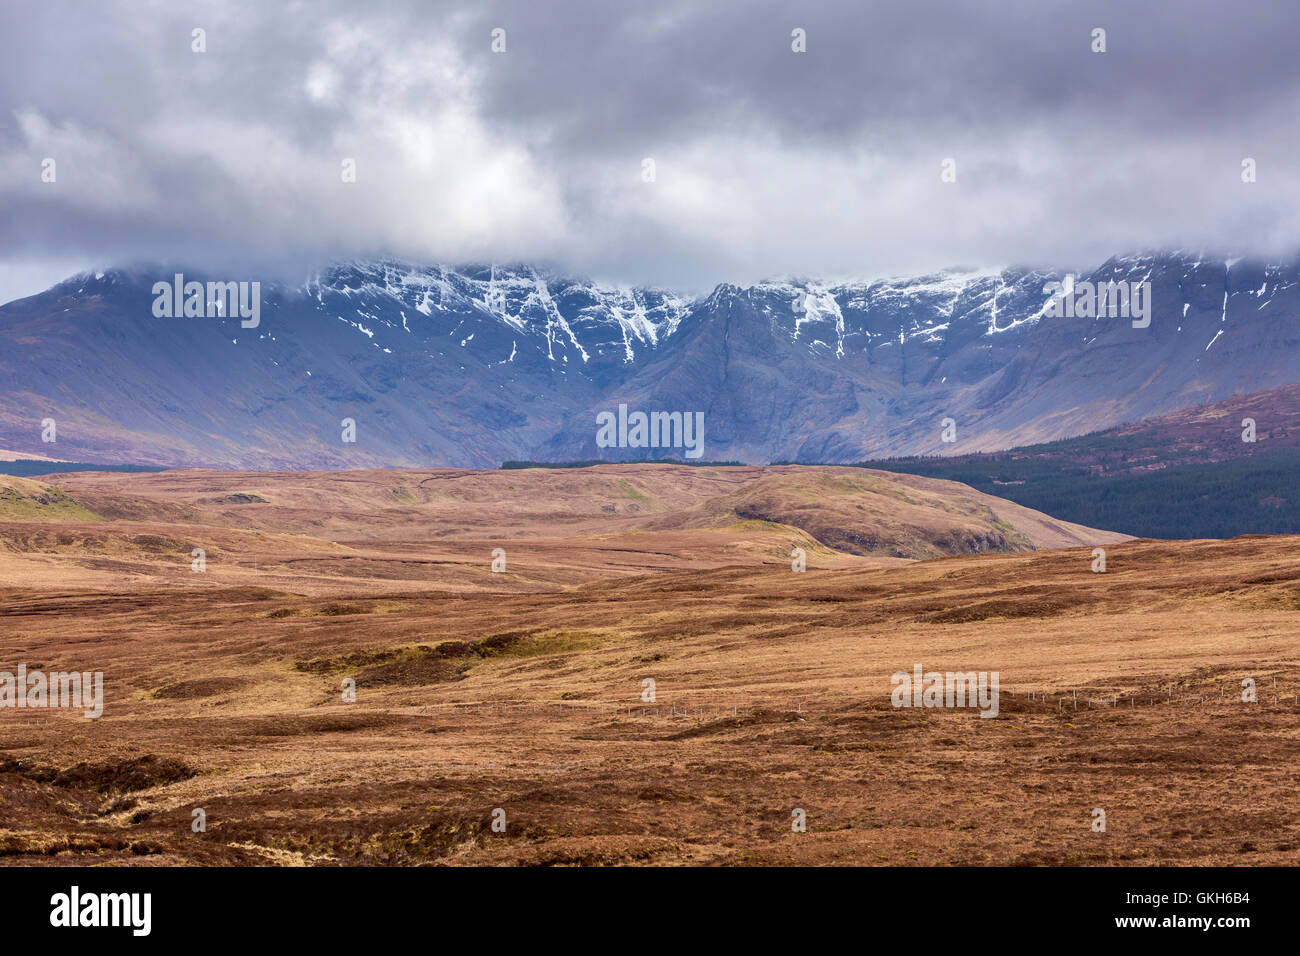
472	366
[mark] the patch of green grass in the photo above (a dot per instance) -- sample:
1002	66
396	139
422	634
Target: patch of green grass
335	610
31	501
548	643
632	492
757	524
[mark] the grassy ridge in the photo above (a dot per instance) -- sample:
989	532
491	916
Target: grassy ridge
23	500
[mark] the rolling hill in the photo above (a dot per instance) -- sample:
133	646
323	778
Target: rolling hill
436	529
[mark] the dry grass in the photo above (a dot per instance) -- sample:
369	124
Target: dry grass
223	692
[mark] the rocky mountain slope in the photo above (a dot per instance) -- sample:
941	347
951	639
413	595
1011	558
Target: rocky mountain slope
474	366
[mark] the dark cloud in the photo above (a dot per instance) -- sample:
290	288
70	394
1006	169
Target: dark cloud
767	161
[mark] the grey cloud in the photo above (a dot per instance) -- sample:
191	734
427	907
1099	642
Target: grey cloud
768	162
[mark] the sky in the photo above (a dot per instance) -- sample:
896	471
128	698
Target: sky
766	161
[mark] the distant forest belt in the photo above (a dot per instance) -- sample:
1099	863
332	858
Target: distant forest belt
30	467
1259	494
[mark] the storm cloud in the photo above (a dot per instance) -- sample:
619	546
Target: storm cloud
766	161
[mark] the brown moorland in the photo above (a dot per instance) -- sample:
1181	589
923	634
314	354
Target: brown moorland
523	691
